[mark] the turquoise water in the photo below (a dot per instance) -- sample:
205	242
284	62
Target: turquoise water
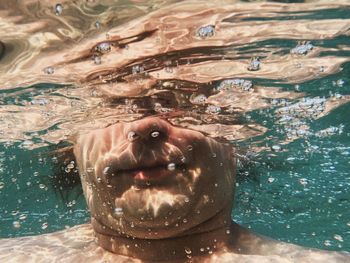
299	194
292	190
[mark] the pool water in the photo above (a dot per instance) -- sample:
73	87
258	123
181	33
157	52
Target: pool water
295	186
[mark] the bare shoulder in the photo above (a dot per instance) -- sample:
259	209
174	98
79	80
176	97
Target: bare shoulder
289	258
71	245
245	243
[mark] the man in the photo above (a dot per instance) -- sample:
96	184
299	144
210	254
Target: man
156	192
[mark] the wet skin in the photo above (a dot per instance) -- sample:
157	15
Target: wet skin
154	181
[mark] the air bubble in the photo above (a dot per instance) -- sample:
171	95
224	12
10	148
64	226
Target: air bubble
132	136
23	217
49	70
58	9
97	60
118	211
303	181
16	224
155	134
171	166
106	169
90	169
187	250
276	148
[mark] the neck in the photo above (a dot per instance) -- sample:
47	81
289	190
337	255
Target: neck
201	240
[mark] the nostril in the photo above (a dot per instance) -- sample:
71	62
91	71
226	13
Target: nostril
132	136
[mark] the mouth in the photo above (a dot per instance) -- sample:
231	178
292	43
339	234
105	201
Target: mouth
154	175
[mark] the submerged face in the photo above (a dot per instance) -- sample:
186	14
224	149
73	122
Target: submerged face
149	179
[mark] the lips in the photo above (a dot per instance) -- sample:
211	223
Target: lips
147	176
152	173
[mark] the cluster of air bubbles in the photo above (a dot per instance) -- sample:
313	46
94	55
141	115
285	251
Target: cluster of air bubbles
137	69
339	83
168	67
306	108
229	84
294	117
69	167
49	70
103	47
58	9
302	48
159	108
198	99
212	109
40	102
330	131
338	237
27	144
254	64
206	31
71	203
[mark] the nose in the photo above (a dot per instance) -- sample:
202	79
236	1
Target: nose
148	130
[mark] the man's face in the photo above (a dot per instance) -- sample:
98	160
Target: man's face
149	179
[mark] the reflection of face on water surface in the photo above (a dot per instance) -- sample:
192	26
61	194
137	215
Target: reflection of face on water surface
154	180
